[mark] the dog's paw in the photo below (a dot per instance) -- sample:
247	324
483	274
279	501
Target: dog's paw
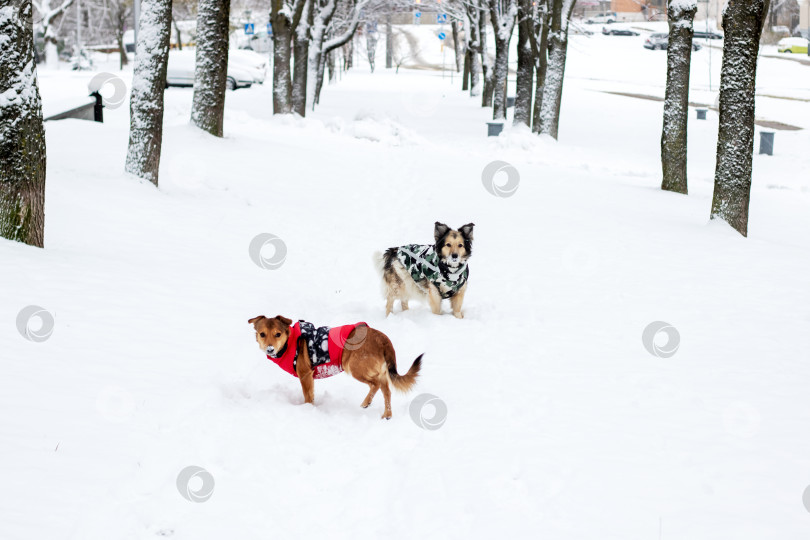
458	314
386	415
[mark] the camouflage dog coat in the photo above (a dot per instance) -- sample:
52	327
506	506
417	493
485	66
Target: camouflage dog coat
423	263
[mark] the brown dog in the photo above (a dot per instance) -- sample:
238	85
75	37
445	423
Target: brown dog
362	352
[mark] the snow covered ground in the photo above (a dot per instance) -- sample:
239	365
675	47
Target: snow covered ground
559	423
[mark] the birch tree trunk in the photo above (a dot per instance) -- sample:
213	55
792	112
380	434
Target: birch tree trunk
525	68
300	59
539	36
486	63
499	74
473	31
676	101
148	84
465	73
49	16
502	15
389	43
22	137
742	26
211	71
459	52
558	47
282	37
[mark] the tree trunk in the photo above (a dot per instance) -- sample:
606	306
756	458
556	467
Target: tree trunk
300	60
123	60
541	62
371	48
465	74
525	71
282	80
22	137
499	79
389	43
179	35
211	72
148	84
742	26
456	49
558	46
676	100
486	63
473	50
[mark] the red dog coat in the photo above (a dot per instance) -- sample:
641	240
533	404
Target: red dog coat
324	344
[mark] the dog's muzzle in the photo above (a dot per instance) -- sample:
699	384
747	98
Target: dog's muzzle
271	351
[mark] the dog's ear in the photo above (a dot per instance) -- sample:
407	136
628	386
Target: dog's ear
467	230
285	320
439	231
254	319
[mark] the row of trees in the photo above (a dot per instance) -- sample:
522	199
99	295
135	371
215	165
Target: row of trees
742	26
305	36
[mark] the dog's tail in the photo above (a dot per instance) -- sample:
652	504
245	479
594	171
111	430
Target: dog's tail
379	261
404	383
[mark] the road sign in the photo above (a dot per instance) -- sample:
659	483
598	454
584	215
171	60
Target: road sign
248	29
441	18
442	35
417	17
270	29
417	14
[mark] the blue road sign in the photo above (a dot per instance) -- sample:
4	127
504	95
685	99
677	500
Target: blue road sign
417	14
249	29
269	29
441	18
442	35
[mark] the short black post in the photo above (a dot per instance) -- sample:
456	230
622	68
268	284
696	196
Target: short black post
494	129
701	114
98	108
766	142
510	101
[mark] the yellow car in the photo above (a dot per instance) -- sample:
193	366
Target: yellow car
793	45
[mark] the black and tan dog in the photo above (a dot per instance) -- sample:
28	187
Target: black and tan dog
438	271
312	353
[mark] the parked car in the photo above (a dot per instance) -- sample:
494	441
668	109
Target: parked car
707	35
604	18
180	71
792	45
618	32
250	61
661	41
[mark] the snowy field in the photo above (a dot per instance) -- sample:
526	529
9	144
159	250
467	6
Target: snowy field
559	423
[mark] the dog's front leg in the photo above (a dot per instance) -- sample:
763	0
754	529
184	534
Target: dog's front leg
304	370
457	300
434	299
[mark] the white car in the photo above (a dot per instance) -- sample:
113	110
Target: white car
252	62
180	71
604	18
